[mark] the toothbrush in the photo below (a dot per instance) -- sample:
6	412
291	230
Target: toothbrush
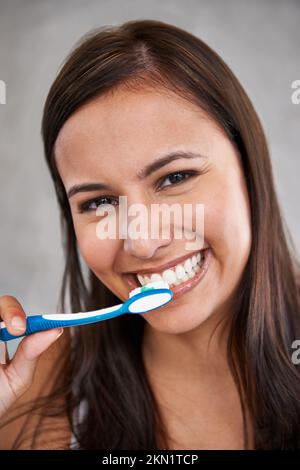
141	300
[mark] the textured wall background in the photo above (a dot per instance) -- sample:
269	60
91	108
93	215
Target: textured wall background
259	40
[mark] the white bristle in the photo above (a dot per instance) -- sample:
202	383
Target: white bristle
134	292
153	285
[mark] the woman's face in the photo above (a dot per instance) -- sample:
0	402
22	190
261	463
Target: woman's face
111	140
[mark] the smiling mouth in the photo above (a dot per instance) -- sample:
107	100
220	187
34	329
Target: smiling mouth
180	277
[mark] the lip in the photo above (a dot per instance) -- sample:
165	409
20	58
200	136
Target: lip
181	288
168	265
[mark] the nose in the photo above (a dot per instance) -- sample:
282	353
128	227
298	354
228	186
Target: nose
144	248
142	242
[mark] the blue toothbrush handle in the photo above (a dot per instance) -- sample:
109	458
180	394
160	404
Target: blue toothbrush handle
146	300
36	323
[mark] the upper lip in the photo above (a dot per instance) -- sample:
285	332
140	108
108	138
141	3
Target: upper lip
163	267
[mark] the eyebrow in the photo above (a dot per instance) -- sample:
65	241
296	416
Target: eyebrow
146	171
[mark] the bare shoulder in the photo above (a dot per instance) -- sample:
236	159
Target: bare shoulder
19	431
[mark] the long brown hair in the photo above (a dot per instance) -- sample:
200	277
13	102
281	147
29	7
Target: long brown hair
107	369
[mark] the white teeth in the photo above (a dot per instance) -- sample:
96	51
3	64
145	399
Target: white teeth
197	268
147	279
188	266
191	274
181	273
169	276
156	278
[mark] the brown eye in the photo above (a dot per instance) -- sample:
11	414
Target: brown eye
103	200
177	178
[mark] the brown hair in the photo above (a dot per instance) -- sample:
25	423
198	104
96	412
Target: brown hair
106	361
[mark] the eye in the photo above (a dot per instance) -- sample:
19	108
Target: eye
174	178
102	200
177	177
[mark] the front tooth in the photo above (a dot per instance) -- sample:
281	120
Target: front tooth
188	265
147	279
169	276
141	279
156	278
180	272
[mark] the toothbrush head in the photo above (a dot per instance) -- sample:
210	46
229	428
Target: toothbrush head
149	297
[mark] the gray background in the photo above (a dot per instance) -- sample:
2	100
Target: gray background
259	40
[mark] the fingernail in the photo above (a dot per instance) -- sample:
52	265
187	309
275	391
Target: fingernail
18	323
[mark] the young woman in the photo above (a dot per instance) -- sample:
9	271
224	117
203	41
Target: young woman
148	111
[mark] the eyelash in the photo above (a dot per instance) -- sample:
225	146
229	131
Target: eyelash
84	207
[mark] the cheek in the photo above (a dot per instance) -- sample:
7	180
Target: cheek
98	254
227	226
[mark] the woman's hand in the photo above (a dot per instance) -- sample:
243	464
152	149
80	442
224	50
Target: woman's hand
16	375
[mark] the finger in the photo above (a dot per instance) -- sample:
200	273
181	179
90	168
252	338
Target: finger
21	368
12	313
4	356
3	352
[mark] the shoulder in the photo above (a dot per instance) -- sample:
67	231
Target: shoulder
19	431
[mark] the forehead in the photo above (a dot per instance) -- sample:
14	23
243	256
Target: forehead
128	126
